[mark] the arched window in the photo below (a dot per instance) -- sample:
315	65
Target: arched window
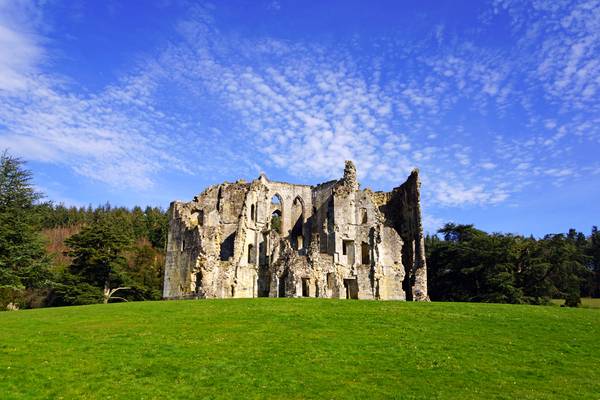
276	200
276	213
251	254
297	224
252	213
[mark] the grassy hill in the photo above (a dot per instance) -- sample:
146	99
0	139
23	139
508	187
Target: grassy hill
300	348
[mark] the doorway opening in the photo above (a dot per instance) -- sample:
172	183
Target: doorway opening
305	287
281	285
351	286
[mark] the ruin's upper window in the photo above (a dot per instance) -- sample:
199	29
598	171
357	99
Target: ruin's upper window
365	253
276	213
346	246
252	213
276	200
297	220
330	215
364	217
201	217
227	247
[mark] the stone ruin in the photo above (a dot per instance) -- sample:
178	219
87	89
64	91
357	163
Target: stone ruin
277	239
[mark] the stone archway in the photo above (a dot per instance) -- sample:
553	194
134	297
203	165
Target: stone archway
297	224
277	213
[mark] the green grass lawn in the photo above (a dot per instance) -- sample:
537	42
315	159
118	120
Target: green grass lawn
586	302
300	348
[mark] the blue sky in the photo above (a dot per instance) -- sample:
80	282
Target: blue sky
139	102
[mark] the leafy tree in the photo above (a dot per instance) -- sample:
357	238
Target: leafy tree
98	257
532	271
593	253
23	261
276	223
157	224
72	290
146	271
471	265
460	233
567	267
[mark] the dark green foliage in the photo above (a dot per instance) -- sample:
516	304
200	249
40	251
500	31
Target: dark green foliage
156	224
471	265
276	223
72	290
151	223
132	242
23	261
98	254
115	247
593	252
146	272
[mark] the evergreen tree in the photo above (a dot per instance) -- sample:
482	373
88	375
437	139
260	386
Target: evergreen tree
23	261
567	267
98	257
594	253
471	265
157	224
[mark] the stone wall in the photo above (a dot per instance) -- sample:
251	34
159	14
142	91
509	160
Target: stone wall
278	239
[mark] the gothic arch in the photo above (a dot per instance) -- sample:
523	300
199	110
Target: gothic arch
298	217
277	210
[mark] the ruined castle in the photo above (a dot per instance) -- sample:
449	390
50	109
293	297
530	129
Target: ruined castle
277	239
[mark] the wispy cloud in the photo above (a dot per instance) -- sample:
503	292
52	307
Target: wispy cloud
115	136
263	102
20	51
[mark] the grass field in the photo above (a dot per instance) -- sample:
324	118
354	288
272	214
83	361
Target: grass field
300	348
586	302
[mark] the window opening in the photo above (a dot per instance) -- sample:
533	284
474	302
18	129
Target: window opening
365	253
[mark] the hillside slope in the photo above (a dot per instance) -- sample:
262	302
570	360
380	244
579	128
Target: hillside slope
300	348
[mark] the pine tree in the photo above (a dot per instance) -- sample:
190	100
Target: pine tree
23	261
594	254
98	258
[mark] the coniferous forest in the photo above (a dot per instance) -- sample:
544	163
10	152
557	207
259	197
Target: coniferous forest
53	255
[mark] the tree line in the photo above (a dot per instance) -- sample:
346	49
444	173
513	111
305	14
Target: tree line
53	255
467	264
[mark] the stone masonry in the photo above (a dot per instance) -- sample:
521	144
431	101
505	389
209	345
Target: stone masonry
277	239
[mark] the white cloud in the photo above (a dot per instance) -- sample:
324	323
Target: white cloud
460	195
305	108
19	50
431	224
113	136
488	165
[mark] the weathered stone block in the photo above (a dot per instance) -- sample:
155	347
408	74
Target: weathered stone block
278	239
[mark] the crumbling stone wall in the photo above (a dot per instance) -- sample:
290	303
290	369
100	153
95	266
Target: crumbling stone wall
277	239
402	210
